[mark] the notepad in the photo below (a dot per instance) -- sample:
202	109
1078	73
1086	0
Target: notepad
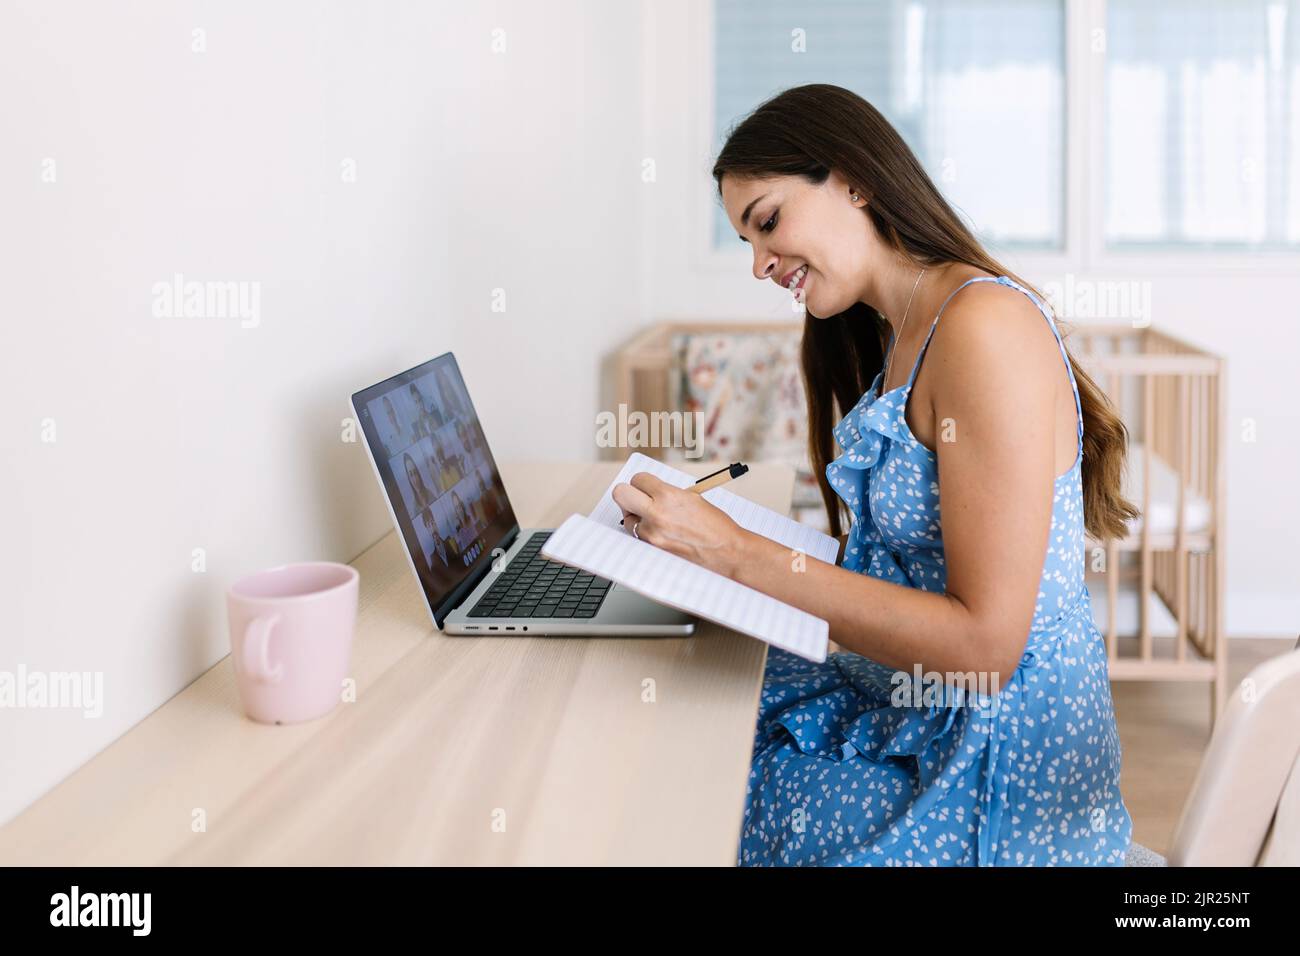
599	545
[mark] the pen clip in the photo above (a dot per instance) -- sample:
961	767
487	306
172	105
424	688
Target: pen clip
728	468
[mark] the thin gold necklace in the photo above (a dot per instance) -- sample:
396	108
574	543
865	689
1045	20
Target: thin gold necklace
901	325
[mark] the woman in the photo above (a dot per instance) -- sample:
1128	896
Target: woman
461	515
424	421
448	472
448	393
463	436
467	529
423	501
421	496
484	507
435	473
1025	453
395	441
439	545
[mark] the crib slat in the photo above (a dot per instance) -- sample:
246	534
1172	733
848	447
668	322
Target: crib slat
1208	420
1180	546
1204	607
1198	469
1219	645
1144	587
1206	487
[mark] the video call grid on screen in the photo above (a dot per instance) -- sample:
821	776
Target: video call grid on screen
422	426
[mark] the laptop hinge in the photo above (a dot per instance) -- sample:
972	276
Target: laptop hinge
470	583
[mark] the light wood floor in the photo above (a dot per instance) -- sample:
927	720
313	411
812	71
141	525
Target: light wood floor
1164	728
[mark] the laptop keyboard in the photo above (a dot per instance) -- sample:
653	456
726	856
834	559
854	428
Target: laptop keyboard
532	586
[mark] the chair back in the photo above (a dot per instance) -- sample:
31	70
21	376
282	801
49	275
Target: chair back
1244	808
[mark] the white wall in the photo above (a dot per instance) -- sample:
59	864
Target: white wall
474	171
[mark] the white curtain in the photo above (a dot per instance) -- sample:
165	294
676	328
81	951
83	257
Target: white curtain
994	113
1202	128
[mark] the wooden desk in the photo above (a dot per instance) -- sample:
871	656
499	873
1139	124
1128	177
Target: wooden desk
551	737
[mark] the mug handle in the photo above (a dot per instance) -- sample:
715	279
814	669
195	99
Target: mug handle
257	648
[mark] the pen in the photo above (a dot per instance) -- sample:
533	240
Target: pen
719	477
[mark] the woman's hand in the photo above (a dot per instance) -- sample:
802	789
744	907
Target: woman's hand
681	522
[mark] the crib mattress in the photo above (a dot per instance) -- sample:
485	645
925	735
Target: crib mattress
1163	510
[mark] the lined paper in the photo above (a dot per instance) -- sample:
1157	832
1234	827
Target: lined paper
663	577
750	516
600	545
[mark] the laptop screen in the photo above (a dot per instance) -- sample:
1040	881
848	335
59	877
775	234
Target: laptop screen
441	480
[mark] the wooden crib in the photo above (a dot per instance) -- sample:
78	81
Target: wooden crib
1171	397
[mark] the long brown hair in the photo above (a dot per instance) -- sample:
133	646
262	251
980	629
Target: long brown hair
808	131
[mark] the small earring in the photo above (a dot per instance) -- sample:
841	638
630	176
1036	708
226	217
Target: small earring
853	197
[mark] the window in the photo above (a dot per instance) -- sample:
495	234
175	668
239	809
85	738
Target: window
975	87
1203	123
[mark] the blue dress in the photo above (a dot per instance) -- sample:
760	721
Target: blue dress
848	771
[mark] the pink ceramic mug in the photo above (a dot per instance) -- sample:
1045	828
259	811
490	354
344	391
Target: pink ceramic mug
291	639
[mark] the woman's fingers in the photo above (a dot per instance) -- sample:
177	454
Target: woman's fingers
632	500
648	483
637	499
674	519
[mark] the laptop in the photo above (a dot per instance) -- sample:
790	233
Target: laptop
479	572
